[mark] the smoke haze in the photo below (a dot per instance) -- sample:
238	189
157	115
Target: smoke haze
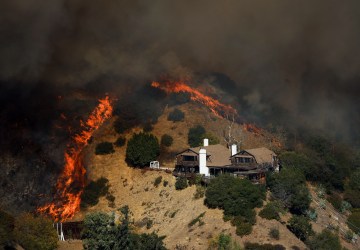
302	56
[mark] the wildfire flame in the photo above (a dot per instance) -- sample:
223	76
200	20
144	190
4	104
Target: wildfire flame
71	181
216	107
252	128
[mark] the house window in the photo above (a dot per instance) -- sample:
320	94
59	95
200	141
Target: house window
189	158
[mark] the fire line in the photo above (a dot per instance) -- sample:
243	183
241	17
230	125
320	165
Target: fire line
216	107
71	181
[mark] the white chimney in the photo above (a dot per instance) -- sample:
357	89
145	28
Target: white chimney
203	169
206	142
233	149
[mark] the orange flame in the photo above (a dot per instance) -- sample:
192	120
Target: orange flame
218	108
71	182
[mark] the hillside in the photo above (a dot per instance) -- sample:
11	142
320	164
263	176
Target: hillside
164	209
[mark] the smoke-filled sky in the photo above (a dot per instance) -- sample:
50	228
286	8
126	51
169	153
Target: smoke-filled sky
301	55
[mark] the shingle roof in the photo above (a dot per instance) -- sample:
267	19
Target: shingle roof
219	155
262	155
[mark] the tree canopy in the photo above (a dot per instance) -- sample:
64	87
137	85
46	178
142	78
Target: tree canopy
141	149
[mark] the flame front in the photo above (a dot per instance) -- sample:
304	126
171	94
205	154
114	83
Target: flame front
218	108
71	181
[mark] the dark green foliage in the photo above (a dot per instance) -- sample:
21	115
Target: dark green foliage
7	223
93	191
256	246
100	232
234	195
195	136
141	149
120	141
166	140
352	192
223	242
212	138
354	221
35	233
289	187
165	183
200	192
271	211
324	241
157	181
181	183
243	226
147	242
176	115
104	148
237	197
274	233
300	226
297	161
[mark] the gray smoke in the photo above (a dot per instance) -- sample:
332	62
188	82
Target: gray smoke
300	55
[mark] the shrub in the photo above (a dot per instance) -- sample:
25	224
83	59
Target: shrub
335	200
165	183
166	140
197	219
176	115
270	211
274	233
300	226
157	181
223	242
120	141
93	191
181	183
199	193
35	233
256	246
324	241
104	148
354	221
195	136
243	227
141	149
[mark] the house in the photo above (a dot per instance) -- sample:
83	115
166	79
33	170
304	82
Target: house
212	160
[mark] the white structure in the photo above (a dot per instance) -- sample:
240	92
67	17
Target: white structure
154	164
233	149
203	169
59	231
206	142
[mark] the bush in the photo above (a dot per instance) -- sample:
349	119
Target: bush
335	200
7	223
324	241
200	192
243	227
181	183
120	141
195	136
274	233
165	183
256	246
166	140
223	242
141	149
157	181
271	211
300	226
93	191
176	115
35	233
104	148
354	221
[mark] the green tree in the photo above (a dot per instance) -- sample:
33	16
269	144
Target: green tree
147	242
324	241
99	231
35	233
176	115
7	223
181	183
141	149
300	226
166	140
123	234
195	136
354	221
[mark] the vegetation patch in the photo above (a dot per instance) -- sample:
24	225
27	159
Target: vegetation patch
157	181
104	148
274	233
181	183
354	221
223	242
196	220
93	191
166	140
325	240
141	149
120	141
271	211
301	227
176	115
200	192
257	246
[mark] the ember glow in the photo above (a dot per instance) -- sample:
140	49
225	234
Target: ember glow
71	182
218	108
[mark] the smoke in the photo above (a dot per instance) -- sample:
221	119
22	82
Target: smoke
302	56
